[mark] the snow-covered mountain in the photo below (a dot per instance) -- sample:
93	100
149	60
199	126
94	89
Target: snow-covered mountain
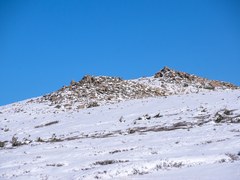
94	91
172	125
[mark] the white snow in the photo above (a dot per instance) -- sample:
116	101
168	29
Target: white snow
134	139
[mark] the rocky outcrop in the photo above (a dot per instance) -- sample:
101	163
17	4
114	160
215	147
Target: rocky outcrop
93	91
172	76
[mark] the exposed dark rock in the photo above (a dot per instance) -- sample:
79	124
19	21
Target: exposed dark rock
93	91
15	141
92	104
107	162
157	115
2	144
226	116
47	124
57	106
172	76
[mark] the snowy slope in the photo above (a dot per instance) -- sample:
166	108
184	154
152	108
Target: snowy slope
187	136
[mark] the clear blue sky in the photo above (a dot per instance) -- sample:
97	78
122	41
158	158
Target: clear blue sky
44	44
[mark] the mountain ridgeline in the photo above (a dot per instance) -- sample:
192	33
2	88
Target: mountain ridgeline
93	91
172	125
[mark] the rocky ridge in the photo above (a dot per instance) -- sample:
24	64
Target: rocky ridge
144	139
93	91
173	82
185	79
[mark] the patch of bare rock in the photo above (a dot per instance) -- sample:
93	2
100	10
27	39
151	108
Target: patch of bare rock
93	91
173	76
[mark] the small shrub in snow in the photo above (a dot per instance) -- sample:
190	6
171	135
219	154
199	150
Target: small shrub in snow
222	161
233	157
2	143
157	115
58	106
92	104
138	172
121	119
15	141
107	162
55	165
39	139
55	139
47	124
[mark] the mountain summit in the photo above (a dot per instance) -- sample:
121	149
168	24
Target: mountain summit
93	91
172	76
172	125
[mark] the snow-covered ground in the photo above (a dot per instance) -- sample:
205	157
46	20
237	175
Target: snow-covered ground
189	136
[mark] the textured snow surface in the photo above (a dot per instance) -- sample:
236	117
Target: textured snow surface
174	137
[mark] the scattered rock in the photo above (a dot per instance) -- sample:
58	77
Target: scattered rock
39	140
92	104
233	157
55	165
121	119
15	141
2	144
226	116
47	124
117	151
92	91
95	91
157	115
172	76
107	162
58	106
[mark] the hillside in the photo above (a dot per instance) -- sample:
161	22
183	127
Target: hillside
93	91
172	125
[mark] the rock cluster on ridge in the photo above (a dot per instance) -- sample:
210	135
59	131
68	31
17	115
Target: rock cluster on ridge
186	79
93	91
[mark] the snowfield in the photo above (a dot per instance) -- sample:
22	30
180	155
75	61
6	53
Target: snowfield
188	136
